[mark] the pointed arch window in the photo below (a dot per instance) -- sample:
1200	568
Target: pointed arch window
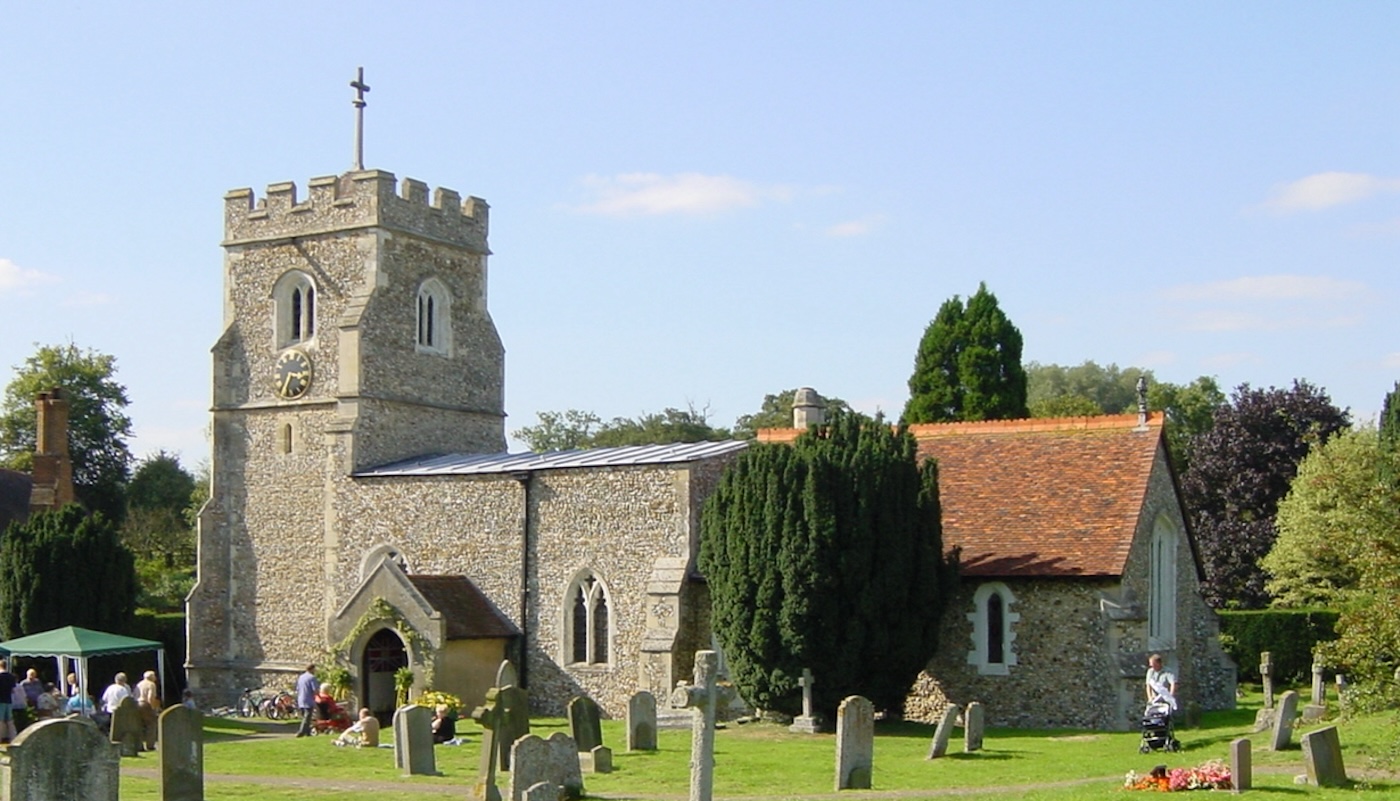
294	301
993	629
587	629
434	315
1161	603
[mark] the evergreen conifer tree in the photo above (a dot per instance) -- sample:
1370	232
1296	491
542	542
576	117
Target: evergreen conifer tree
968	366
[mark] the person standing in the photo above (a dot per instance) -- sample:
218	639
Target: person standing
148	702
7	690
306	699
1160	683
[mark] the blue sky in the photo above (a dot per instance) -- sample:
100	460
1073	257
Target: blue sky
701	203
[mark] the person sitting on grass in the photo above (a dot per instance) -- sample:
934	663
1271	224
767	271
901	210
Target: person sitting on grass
444	725
364	734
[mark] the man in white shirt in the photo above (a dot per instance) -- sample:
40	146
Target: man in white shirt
1161	683
115	692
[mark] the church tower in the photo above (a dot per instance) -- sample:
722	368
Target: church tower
356	333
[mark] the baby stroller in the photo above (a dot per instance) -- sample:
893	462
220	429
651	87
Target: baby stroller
1157	731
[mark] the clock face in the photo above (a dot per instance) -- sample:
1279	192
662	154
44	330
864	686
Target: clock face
293	374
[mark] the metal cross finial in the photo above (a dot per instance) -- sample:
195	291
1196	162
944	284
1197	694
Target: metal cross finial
360	88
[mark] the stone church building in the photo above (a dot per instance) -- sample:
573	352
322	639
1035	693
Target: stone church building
363	508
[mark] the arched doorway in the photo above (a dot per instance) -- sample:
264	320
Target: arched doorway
384	654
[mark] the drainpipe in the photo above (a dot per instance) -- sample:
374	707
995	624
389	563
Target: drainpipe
524	671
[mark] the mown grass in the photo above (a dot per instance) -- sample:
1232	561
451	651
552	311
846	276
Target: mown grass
766	761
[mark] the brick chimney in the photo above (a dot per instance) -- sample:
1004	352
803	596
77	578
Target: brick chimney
53	470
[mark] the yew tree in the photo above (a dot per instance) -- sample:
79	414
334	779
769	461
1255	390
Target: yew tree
1240	469
968	366
827	554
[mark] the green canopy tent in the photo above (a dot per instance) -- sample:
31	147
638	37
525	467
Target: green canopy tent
74	644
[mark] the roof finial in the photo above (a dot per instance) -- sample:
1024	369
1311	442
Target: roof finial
360	88
1142	401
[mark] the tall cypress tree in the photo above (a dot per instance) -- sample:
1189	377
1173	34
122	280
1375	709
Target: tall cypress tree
968	366
827	555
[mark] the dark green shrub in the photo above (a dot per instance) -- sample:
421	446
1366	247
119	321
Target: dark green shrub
1289	634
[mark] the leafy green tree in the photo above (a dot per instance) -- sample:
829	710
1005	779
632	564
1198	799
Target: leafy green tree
65	567
97	423
1338	512
159	532
827	554
1240	469
1388	429
1190	412
573	429
776	412
1110	389
968	366
1065	406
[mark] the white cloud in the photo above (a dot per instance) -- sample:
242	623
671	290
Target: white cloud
1391	360
859	227
16	278
649	194
1327	189
1269	288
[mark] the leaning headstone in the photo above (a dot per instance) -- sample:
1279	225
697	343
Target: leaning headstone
973	720
855	743
598	759
584	723
127	727
1266	671
641	722
808	722
1241	765
1283	721
413	741
943	733
181	754
1322	756
703	697
1264	720
488	716
63	759
506	675
514	706
538	760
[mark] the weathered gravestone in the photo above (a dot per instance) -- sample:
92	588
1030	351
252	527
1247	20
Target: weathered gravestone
704	698
181	754
1283	721
808	722
127	727
855	743
641	722
1317	708
943	733
413	741
514	705
597	760
506	675
542	791
538	760
1322	756
63	759
1241	765
585	723
488	716
1266	672
973	724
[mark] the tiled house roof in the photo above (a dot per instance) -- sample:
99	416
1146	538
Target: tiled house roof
469	614
1042	497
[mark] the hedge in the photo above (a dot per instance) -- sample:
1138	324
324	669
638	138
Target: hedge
1289	634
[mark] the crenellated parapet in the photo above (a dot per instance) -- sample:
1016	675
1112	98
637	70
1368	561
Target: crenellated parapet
356	200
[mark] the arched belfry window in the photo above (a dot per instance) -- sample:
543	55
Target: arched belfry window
1161	599
294	301
434	315
993	629
586	629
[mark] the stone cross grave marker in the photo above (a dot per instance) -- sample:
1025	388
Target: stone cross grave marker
943	733
855	743
63	759
514	704
127	727
538	760
1266	671
181	754
973	724
703	697
808	722
413	741
1319	685
488	716
1283	721
584	723
506	675
641	722
1322	756
1241	765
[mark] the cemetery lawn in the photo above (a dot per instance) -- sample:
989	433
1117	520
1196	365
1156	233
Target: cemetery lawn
261	760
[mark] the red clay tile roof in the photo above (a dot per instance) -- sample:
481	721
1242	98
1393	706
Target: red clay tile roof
469	614
1042	497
